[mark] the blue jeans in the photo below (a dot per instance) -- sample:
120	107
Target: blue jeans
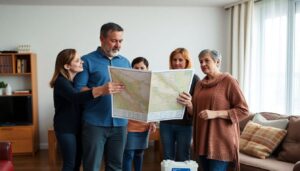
98	141
70	147
133	155
176	141
212	165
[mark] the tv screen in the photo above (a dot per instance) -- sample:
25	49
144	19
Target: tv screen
15	110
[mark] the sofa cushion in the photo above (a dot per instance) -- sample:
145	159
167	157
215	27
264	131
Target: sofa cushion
278	123
267	115
273	116
291	144
271	163
260	141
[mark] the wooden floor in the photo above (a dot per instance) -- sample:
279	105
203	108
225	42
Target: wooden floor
40	161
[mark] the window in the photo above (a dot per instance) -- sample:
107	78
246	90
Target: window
273	74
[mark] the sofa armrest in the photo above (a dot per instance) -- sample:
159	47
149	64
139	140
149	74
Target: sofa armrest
5	150
297	166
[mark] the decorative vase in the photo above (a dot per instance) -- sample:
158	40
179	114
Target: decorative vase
8	90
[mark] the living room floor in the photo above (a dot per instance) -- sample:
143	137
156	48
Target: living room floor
39	162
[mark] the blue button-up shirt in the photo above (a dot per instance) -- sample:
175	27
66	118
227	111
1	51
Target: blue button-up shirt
98	112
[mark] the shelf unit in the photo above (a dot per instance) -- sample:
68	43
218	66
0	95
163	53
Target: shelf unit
19	70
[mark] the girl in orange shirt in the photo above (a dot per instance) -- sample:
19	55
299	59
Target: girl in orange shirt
138	132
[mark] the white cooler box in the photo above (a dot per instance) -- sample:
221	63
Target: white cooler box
170	165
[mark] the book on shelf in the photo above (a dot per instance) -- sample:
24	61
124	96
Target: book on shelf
18	65
21	65
5	64
22	91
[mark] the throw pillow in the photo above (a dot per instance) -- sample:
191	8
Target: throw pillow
259	141
278	123
291	144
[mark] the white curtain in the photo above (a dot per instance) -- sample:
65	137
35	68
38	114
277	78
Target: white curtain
240	18
266	77
296	75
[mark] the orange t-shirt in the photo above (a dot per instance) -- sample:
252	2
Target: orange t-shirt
137	126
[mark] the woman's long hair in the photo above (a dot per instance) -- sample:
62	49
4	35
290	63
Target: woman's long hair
64	57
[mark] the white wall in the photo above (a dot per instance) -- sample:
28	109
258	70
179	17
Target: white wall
152	32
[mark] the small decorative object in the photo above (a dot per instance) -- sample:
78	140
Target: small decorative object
8	90
2	87
22	92
23	48
171	165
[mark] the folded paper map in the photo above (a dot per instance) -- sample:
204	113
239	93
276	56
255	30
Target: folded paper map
150	95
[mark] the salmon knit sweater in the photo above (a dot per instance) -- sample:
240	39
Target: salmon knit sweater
218	138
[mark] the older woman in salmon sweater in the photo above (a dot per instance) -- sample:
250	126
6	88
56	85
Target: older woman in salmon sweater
218	105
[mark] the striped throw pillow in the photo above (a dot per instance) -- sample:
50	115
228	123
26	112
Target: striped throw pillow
260	141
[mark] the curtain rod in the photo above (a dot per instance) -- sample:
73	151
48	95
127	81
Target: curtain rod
237	3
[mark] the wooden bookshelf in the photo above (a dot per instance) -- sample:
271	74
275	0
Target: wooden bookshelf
20	71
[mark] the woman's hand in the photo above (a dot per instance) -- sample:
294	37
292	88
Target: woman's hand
185	99
108	88
210	114
152	127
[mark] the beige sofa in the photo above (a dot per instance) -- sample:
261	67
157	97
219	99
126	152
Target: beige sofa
286	157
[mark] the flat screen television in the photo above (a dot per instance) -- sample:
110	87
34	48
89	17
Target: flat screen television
15	110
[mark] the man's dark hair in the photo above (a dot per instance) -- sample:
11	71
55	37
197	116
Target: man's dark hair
109	27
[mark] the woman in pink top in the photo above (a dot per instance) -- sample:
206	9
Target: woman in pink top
138	132
218	105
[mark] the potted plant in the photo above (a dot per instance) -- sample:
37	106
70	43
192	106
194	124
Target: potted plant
2	87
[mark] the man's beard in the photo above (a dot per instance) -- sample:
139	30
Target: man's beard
114	53
111	52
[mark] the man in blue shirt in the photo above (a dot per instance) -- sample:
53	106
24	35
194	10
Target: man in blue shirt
102	134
